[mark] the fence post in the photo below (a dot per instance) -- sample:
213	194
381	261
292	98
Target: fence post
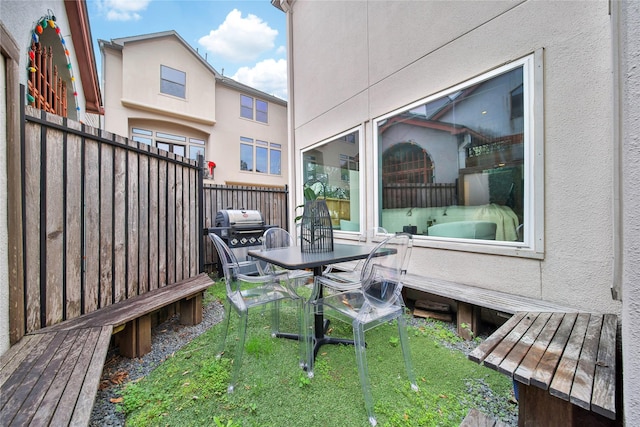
286	206
200	212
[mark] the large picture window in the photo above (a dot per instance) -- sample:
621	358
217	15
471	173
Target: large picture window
331	169
457	165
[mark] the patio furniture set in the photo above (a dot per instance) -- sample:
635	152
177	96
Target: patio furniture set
374	298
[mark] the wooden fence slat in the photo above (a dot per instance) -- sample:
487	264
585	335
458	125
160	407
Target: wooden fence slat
32	226
143	223
106	225
54	228
132	224
179	227
171	224
119	226
91	226
73	225
162	224
153	222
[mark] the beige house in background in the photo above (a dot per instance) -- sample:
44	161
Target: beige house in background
520	114
159	91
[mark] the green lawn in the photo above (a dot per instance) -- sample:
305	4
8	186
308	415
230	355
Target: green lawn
189	389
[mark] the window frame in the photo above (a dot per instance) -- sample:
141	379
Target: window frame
260	144
172	82
362	184
533	131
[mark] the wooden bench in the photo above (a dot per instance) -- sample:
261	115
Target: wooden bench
51	376
564	365
476	418
131	319
470	299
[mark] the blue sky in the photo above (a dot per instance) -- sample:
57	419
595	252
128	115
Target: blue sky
243	39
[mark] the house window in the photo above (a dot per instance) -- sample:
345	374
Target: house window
173	82
275	159
332	170
456	166
267	156
247	109
262	111
170	142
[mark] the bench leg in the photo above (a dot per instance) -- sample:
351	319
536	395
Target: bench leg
538	407
135	339
191	310
468	320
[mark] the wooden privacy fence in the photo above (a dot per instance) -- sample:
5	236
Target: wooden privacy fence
419	195
272	202
103	219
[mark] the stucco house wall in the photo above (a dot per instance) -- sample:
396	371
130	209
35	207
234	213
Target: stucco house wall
225	139
379	56
372	66
210	110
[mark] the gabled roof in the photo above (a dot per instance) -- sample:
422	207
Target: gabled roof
120	42
81	33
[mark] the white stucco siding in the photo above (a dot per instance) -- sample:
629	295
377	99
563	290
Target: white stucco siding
224	148
329	28
441	44
141	77
115	118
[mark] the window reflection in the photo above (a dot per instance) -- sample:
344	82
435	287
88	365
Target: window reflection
332	170
454	166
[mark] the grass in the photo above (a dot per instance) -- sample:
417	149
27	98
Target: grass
190	388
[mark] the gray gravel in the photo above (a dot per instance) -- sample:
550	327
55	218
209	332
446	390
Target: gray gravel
170	336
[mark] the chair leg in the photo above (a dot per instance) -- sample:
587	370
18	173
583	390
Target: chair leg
404	343
363	369
275	319
302	333
225	329
237	361
309	336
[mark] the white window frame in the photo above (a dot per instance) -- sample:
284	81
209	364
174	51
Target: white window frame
533	236
353	235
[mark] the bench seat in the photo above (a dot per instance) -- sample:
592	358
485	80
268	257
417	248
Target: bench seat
131	318
52	378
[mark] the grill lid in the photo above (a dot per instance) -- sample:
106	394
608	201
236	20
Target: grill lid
238	217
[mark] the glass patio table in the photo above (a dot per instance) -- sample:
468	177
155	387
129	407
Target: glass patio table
292	258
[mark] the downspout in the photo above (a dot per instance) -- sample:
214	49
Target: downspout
285	5
618	236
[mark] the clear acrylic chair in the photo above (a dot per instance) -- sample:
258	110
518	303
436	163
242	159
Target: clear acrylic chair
378	300
274	238
245	292
339	279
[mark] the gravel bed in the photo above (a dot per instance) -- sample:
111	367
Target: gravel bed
170	336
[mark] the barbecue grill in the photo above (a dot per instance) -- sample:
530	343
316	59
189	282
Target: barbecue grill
241	230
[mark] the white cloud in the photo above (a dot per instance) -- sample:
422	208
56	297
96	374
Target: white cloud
269	76
240	39
123	10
